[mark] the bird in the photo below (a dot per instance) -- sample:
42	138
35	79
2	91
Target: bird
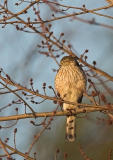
70	84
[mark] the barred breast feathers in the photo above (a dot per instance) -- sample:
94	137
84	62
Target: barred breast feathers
66	79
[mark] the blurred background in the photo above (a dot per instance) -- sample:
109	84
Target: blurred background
20	58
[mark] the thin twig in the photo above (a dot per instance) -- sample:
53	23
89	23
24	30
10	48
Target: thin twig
17	152
64	48
19	98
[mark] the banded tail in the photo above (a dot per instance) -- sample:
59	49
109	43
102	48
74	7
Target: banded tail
70	128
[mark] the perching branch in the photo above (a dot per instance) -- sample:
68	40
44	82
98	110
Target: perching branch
60	113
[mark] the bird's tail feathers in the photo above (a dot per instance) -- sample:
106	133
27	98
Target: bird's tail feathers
70	128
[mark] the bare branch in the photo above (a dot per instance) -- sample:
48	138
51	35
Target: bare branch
60	113
17	151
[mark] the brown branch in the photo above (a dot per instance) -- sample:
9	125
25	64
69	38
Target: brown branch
84	11
90	22
9	91
83	154
37	136
17	152
79	8
25	103
4	148
99	14
60	113
97	70
4	155
61	17
21	12
20	87
64	48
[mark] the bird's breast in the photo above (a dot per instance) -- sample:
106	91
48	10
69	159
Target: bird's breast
70	79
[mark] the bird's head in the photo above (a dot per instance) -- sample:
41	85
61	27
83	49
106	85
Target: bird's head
67	60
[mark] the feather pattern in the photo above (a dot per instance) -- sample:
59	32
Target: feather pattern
70	83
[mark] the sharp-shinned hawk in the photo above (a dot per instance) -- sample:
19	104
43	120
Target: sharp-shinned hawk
70	83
